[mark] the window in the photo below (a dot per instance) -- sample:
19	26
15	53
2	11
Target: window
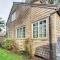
57	1
39	29
53	1
42	28
18	35
13	16
35	30
21	32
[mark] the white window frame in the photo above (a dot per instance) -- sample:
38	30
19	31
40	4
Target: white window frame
47	28
19	32
32	25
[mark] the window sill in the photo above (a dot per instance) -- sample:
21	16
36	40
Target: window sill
21	38
41	39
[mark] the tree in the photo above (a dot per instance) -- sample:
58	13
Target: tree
2	23
0	29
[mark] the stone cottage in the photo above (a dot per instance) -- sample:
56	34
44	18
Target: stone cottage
37	25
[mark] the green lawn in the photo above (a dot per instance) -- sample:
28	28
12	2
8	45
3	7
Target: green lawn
6	55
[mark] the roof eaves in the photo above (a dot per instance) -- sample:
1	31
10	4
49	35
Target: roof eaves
11	11
49	6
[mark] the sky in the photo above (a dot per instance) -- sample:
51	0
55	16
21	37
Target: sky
5	7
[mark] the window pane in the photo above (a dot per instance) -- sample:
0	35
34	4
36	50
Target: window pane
18	33
23	32
40	29
35	35
35	30
51	1
44	28
56	1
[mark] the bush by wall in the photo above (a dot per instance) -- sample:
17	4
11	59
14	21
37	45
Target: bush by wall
10	44
7	43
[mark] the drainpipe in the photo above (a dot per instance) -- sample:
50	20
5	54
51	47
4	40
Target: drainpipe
50	40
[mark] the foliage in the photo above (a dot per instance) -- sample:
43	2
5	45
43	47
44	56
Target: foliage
2	23
25	53
10	44
7	55
7	43
28	47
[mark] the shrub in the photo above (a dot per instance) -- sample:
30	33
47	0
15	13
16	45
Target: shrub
26	54
7	43
10	44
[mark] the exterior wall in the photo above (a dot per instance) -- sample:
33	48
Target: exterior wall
56	33
55	20
31	15
37	14
1	39
53	34
57	36
10	30
57	26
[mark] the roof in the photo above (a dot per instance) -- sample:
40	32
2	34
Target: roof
50	6
46	6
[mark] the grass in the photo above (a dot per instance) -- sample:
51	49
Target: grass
7	55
